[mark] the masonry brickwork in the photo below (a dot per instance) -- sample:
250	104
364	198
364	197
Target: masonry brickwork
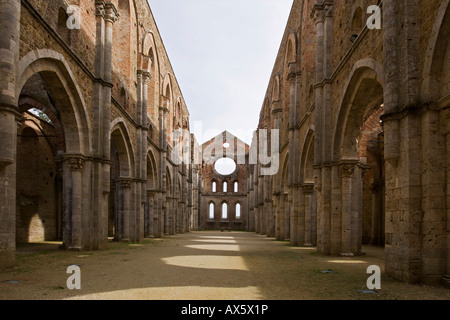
87	116
363	114
224	204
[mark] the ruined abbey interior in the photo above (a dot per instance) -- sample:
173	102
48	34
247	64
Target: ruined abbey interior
88	115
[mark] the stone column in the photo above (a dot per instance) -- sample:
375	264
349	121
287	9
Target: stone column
76	168
447	276
293	154
106	15
125	209
346	173
261	210
287	217
111	15
375	238
323	245
308	190
9	57
166	210
277	113
158	215
163	112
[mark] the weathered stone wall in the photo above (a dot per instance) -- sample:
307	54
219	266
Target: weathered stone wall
217	195
355	88
114	101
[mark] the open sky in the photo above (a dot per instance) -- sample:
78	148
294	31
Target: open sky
222	53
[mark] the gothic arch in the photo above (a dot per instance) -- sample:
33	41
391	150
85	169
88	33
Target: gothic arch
151	64
307	159
150	61
120	139
152	173
362	95
276	88
433	86
69	102
169	183
291	49
168	102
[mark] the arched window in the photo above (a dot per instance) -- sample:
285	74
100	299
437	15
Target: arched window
225	187
224	211
214	187
63	30
211	211
357	21
236	186
238	211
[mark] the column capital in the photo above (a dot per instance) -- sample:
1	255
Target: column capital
76	164
317	14
125	183
322	11
164	110
347	168
100	8
308	188
329	9
294	73
111	13
145	76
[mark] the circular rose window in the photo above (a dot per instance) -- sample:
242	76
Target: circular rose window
225	166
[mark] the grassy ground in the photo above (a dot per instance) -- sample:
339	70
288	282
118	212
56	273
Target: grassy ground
202	266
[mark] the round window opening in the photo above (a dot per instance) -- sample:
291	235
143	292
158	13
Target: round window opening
225	166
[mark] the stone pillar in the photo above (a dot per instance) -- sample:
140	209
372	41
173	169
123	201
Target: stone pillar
287	217
347	175
447	277
158	215
293	155
307	191
142	133
277	113
163	112
166	210
377	198
126	185
323	245
76	168
9	56
261	210
106	15
148	215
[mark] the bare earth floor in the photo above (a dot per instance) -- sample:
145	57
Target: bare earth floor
202	266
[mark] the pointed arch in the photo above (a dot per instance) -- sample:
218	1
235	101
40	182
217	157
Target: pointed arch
363	95
291	49
307	159
152	171
54	69
122	147
211	210
276	88
433	86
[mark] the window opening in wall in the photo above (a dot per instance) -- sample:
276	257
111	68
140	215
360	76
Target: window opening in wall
211	211
238	211
224	211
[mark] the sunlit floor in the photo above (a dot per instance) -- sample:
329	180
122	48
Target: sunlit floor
202	266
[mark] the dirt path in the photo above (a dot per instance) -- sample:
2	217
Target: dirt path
202	266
